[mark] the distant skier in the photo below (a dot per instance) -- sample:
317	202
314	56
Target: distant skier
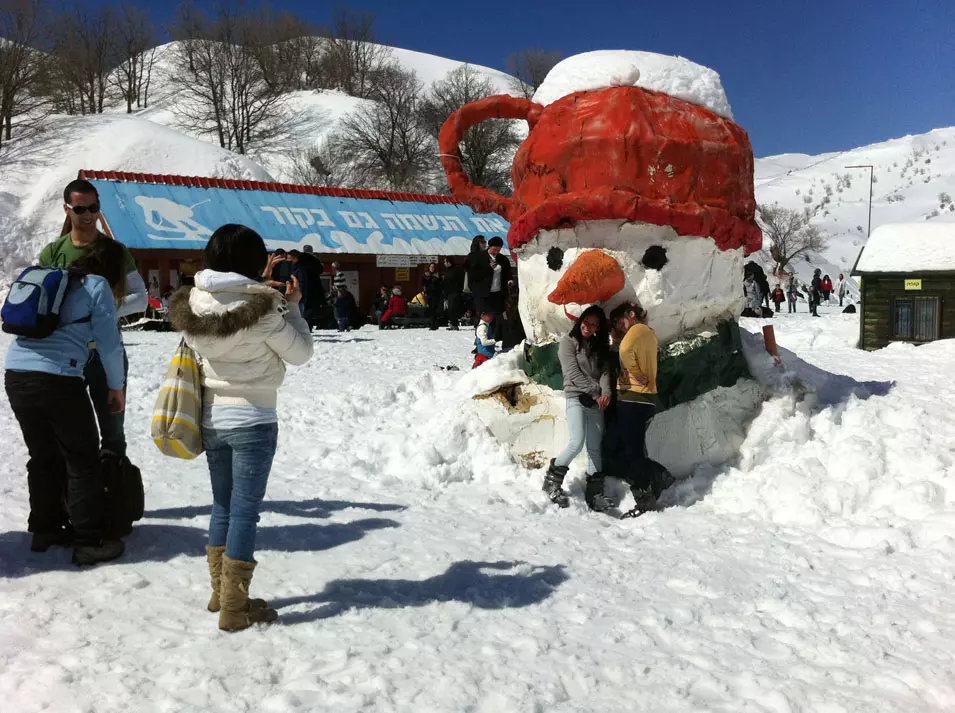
778	297
842	288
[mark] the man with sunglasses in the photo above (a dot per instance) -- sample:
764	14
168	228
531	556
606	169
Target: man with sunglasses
81	204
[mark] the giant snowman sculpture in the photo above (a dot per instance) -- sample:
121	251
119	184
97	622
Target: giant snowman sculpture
634	183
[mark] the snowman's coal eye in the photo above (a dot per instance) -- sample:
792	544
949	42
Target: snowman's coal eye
555	258
654	258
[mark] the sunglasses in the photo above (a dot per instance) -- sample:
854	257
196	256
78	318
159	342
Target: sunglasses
81	209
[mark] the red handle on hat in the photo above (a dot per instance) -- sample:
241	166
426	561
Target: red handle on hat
481	200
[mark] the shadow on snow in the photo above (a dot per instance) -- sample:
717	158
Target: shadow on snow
317	508
484	585
151	542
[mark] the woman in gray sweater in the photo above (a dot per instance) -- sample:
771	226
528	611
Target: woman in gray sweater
584	360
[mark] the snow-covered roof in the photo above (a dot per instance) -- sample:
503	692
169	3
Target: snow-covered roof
676	76
909	247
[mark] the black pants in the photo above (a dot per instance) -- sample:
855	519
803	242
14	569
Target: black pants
631	421
435	309
59	430
792	305
455	308
111	425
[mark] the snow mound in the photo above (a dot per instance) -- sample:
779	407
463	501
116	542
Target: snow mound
908	247
676	76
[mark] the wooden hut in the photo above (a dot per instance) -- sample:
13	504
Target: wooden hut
907	275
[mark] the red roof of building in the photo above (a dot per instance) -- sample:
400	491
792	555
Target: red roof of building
238	184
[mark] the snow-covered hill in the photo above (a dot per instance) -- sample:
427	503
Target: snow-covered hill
150	140
914	177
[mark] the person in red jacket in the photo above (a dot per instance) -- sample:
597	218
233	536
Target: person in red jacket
826	288
397	307
778	297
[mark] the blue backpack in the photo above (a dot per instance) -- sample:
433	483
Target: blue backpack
32	307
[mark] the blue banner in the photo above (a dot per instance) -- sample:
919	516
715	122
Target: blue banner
147	215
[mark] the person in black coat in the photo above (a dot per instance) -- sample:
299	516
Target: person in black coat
454	292
313	302
477	266
434	293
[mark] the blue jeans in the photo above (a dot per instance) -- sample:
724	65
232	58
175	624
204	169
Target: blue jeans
111	425
586	426
239	463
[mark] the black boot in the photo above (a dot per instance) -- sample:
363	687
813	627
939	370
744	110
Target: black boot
645	502
553	482
594	493
106	551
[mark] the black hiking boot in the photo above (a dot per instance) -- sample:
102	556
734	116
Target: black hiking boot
553	481
94	554
594	493
42	541
646	501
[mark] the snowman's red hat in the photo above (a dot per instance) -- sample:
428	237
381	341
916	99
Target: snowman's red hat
622	153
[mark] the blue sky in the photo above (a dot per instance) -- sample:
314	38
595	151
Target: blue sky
804	76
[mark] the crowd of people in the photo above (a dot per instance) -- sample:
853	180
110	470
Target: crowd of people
246	316
758	295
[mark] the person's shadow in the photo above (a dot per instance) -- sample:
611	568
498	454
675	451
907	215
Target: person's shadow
485	585
157	542
317	508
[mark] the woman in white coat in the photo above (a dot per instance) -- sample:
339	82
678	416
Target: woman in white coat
244	333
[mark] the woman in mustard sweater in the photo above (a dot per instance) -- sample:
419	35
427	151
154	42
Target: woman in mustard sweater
636	398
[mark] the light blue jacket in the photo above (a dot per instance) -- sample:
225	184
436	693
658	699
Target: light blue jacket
66	351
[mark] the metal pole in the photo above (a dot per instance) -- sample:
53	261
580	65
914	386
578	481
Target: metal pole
871	181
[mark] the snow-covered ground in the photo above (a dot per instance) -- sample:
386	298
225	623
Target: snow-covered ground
416	568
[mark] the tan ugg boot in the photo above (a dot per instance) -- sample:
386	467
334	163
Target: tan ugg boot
214	557
236	612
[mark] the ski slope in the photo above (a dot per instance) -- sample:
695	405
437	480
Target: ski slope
415	567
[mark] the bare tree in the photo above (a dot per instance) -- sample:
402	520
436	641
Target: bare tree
321	166
790	234
352	60
188	24
529	68
385	141
136	49
24	69
282	45
222	86
488	148
86	51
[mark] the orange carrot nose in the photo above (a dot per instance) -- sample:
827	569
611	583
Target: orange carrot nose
594	277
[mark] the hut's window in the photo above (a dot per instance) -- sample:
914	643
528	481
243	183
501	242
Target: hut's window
915	319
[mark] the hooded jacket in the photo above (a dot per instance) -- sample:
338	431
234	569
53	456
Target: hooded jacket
244	334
